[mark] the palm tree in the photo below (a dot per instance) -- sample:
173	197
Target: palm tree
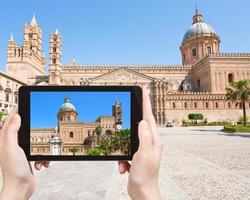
98	131
74	150
239	90
1	115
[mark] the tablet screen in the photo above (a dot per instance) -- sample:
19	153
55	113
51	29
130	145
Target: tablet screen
80	123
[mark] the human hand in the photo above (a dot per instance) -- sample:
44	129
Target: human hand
144	169
18	179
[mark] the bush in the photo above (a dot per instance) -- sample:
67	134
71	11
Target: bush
241	120
195	116
237	128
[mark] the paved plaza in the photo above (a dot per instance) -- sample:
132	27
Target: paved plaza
198	163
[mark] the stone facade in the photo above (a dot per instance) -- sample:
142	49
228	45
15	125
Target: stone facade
8	93
198	85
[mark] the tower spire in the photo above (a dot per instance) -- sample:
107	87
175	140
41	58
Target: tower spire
33	21
11	37
56	31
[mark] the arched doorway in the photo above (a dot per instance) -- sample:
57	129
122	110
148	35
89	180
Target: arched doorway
108	133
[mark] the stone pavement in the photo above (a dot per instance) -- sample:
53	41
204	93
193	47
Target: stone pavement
197	163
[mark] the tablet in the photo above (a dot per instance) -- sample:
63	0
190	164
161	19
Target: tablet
79	122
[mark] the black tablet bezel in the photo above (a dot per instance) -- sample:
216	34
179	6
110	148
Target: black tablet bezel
24	112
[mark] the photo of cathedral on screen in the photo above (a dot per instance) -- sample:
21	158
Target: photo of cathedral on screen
197	85
73	136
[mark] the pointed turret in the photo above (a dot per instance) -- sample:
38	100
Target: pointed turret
11	38
33	21
56	31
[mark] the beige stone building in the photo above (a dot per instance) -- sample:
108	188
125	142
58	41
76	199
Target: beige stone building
198	85
8	93
71	132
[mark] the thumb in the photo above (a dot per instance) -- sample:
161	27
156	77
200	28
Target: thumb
145	136
12	129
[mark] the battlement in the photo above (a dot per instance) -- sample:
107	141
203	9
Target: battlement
194	96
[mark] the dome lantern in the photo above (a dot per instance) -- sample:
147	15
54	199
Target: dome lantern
197	17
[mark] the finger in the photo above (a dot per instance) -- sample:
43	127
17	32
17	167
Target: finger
147	108
123	166
145	136
12	128
149	117
7	120
46	164
39	164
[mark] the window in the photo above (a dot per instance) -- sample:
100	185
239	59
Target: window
194	53
173	105
7	97
185	105
68	118
71	134
54	49
195	105
30	35
199	83
216	105
53	61
230	78
206	104
209	50
229	105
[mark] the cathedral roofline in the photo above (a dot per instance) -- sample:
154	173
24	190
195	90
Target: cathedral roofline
133	66
223	55
11	77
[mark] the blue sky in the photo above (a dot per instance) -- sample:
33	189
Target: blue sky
89	105
124	31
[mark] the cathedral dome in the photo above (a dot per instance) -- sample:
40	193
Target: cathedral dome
67	106
198	28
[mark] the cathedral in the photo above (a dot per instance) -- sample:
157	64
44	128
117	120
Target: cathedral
71	132
195	86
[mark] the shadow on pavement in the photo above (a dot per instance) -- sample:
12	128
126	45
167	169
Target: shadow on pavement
204	130
246	135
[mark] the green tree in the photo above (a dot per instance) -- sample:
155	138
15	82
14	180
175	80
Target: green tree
121	141
1	115
98	131
195	116
240	91
94	151
74	150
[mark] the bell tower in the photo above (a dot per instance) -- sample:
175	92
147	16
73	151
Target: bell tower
26	61
117	113
55	56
